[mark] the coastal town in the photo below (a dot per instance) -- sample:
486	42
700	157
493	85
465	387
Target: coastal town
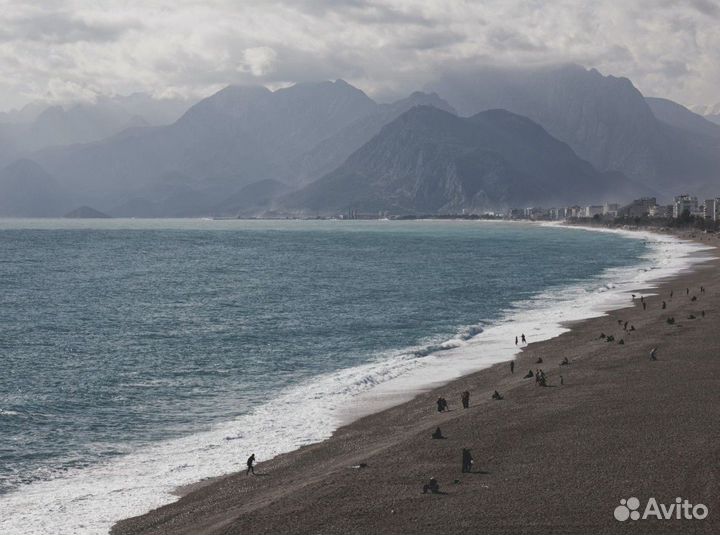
683	207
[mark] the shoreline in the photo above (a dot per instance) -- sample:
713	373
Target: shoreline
364	430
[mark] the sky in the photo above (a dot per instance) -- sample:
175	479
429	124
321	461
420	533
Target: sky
66	50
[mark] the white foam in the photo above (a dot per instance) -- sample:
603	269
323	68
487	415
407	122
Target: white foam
91	500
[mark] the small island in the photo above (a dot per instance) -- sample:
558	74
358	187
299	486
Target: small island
85	212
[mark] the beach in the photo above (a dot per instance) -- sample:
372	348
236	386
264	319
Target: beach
554	459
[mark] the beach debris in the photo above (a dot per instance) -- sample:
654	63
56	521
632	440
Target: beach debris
564	362
529	374
359	466
691	316
653	354
437	434
621	342
670	321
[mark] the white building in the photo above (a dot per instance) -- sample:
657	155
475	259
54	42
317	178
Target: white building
712	209
685	203
610	209
592	211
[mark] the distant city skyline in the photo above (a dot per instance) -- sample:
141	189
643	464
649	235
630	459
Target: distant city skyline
70	50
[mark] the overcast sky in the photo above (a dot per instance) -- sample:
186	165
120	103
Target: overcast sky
70	49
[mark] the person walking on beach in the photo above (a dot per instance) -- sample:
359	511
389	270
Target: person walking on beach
512	366
644	305
516	340
467	461
250	467
522	337
465	398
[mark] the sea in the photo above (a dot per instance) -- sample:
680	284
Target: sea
137	356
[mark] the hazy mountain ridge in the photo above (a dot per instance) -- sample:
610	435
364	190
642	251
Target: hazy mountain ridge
237	150
430	161
605	119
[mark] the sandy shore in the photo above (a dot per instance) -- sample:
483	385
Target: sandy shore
547	460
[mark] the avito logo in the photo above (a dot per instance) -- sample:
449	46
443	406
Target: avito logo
680	510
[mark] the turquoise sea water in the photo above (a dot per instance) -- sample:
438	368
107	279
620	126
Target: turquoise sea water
118	336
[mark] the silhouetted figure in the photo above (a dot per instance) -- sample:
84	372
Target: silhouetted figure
250	467
621	342
539	360
442	405
625	326
512	366
522	337
644	306
437	434
602	336
516	340
694	298
431	486
671	293
562	381
497	395
687	291
702	313
529	374
664	305
653	354
620	322
702	289
632	328
565	362
467	461
465	397
642	299
670	321
691	316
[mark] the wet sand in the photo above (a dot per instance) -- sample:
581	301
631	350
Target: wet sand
547	460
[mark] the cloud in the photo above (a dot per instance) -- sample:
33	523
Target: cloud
387	47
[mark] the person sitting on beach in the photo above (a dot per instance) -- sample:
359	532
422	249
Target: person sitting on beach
602	336
431	486
437	434
664	305
565	362
632	328
694	298
529	374
670	320
465	398
467	461
497	395
539	360
249	463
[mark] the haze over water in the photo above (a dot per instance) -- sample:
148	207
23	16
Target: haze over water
119	337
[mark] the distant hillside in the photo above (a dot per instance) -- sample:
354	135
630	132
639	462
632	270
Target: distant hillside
236	137
27	190
431	161
605	120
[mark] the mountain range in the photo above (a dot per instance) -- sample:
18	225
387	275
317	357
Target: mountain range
566	135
